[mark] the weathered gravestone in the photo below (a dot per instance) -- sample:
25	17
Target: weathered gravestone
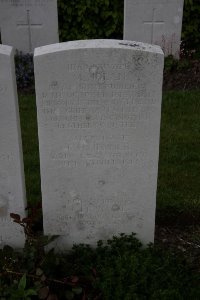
12	189
99	106
27	24
155	22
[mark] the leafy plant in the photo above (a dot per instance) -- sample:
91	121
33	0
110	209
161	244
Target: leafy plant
191	27
87	19
117	269
172	64
21	292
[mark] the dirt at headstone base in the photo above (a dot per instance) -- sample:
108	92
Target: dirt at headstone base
183	78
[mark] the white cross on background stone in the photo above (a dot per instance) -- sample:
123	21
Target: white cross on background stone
29	25
153	23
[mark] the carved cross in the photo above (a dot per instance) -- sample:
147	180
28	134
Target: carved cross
153	23
29	24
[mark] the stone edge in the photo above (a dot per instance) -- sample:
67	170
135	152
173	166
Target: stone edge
101	43
6	50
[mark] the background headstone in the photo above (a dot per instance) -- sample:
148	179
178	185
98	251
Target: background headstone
12	187
99	107
156	22
27	24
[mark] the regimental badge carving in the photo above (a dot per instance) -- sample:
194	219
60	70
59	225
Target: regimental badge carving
97	73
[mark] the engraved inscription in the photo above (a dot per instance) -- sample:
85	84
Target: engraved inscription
99	100
6	157
103	97
95	151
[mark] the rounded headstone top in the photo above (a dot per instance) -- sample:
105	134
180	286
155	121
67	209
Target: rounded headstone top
100	43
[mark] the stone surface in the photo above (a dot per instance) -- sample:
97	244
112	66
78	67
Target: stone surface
12	188
99	107
155	22
27	24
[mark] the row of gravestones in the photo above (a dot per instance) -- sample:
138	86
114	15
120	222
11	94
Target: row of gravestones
98	110
27	24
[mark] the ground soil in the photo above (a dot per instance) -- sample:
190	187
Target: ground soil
181	240
183	75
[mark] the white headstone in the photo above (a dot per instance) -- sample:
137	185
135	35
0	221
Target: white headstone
156	22
27	24
99	106
12	188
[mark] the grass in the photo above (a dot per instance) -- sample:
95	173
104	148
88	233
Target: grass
178	179
28	118
179	175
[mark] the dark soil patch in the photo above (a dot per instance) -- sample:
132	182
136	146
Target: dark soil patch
182	75
177	218
177	239
179	232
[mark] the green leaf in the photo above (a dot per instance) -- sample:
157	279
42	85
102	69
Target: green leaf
77	290
22	283
69	295
31	292
39	272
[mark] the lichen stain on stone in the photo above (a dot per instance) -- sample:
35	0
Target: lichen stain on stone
101	182
80	225
130	216
88	116
2	89
129	44
3	205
